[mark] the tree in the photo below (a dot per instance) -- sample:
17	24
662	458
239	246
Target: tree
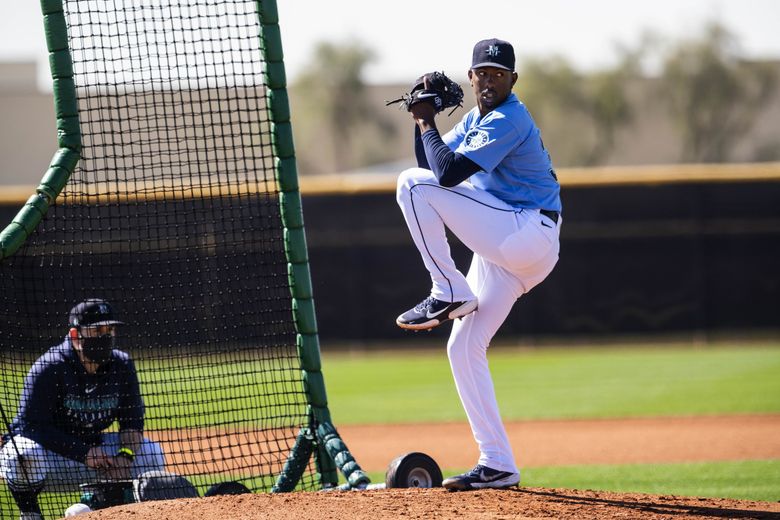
608	103
332	107
579	113
549	87
713	95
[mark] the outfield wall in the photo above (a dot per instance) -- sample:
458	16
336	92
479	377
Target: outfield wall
686	249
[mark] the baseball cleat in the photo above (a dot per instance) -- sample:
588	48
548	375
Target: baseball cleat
431	313
482	477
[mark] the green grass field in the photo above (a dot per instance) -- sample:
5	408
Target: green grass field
559	383
546	383
749	480
554	383
549	383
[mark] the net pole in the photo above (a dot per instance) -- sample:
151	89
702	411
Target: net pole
332	446
68	133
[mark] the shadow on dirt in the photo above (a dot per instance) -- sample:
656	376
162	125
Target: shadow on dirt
663	505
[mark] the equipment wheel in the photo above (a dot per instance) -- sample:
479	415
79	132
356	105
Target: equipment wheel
413	469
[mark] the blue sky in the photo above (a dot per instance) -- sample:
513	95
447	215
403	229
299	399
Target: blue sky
411	36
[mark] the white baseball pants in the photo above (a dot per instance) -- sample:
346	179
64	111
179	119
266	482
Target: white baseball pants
514	250
58	473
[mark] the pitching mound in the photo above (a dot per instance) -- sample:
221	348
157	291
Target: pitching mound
438	503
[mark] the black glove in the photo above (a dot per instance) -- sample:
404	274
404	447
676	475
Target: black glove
442	93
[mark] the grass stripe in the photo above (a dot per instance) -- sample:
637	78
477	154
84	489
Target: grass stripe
749	480
559	383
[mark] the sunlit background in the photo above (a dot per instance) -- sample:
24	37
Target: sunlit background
609	82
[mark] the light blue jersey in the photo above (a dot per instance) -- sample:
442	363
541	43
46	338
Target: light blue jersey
507	145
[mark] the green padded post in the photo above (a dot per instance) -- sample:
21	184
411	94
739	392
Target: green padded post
32	213
329	475
330	448
280	103
335	447
309	353
300	280
291	209
68	133
296	462
286	175
282	137
303	310
315	385
11	239
295	239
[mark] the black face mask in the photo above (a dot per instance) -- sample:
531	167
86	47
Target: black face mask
98	350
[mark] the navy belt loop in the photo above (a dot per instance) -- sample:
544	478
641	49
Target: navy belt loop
552	215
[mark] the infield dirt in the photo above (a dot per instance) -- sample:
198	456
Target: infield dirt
537	443
560	442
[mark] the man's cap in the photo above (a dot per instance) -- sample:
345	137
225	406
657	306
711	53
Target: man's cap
493	53
92	313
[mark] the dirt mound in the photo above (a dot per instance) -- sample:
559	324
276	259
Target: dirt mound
438	503
538	443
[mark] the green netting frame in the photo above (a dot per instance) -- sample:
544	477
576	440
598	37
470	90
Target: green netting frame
332	449
68	132
41	280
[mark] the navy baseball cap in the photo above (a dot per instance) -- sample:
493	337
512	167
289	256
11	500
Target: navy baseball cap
92	313
493	53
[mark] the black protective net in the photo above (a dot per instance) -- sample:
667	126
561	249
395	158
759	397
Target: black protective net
172	216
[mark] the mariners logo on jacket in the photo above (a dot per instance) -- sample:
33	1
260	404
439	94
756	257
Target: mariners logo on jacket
476	139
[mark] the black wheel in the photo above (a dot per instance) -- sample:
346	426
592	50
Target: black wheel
413	470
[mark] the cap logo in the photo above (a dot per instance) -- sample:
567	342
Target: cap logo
493	51
103	308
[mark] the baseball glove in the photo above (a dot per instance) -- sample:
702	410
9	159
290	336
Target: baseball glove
442	93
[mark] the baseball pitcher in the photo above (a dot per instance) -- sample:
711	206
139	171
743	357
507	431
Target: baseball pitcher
489	180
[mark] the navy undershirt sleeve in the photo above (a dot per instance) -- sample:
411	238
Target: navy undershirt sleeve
450	168
419	150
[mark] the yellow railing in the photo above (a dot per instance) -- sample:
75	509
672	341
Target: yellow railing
573	177
569	177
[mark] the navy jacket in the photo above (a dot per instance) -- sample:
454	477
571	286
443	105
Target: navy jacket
65	409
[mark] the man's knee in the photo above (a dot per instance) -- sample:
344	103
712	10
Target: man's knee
460	347
150	457
469	340
457	353
410	178
23	463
